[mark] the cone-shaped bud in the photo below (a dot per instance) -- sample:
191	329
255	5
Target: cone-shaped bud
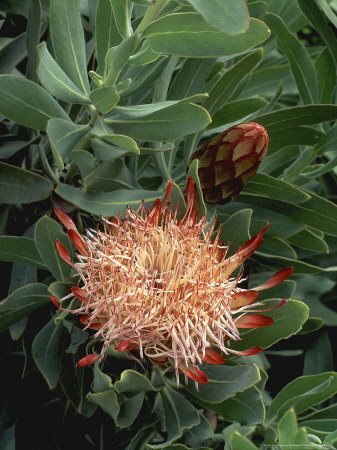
228	162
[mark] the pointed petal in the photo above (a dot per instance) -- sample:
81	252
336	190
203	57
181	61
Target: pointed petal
56	303
253	321
167	193
282	302
248	352
87	360
212	357
65	219
195	374
249	247
84	319
78	242
276	279
243	298
63	252
159	362
80	293
123	346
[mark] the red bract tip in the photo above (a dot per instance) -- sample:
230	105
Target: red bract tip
190	192
78	242
243	298
65	219
80	293
249	247
276	279
123	346
282	302
250	351
253	321
56	303
87	360
212	357
63	252
159	362
195	374
85	322
168	193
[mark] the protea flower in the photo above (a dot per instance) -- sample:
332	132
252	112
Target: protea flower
160	286
228	162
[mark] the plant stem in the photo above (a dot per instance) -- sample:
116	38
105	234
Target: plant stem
151	14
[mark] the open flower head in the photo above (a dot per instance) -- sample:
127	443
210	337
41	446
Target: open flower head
161	287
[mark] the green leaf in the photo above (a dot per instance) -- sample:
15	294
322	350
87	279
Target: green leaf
107	400
104	98
321	25
224	382
265	81
108	152
121	141
107	34
117	57
144	56
245	407
230	17
310	289
179	413
287	428
311	325
27	103
288	320
231	80
302	393
129	410
47	351
239	442
298	135
12	53
200	434
309	240
235	231
326	78
33	37
102	381
180	119
84	160
298	56
121	13
20	276
263	185
285	118
319	358
47	231
63	136
185	85
233	111
110	175
188	34
106	203
21	303
20	249
317	212
229	430
55	80
193	172
68	41
133	382
21	186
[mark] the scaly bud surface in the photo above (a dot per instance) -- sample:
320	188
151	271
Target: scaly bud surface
229	161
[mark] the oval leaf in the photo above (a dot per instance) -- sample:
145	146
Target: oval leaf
22	186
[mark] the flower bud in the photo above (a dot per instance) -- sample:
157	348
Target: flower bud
228	162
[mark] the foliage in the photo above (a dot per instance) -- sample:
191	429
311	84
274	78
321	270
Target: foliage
103	102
